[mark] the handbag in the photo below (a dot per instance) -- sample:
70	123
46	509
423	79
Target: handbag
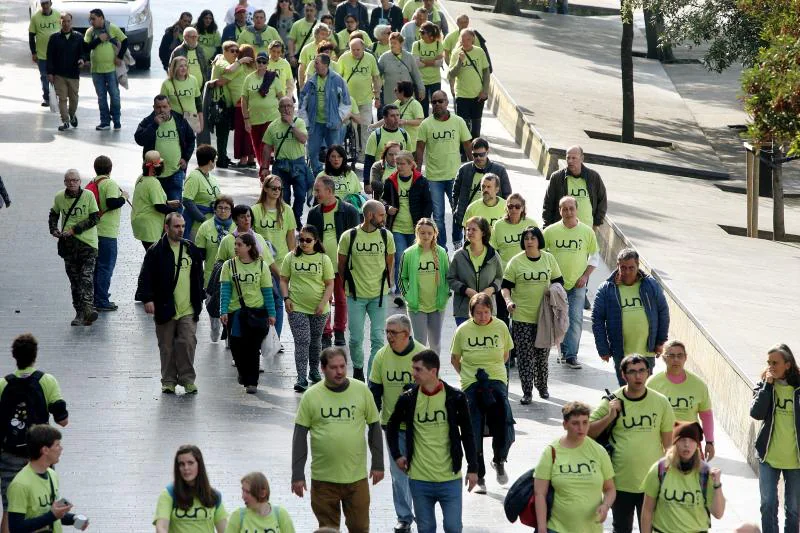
528	514
253	321
605	438
61	245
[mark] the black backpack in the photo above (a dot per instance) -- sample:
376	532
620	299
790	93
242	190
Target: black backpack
348	273
22	405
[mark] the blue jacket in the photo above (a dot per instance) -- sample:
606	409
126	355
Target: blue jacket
229	33
337	101
607	315
763	408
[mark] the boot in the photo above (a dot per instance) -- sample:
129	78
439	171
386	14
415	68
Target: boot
89	316
78	320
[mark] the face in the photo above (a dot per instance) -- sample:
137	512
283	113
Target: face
161	107
241	249
175	228
286	107
274	188
230	54
320	67
395	45
421	18
489	189
467	41
336	370
577	426
628	271
514	209
185	21
686	448
462	22
335	159
392	119
568	210
243	222
261	63
404	166
391	156
208	19
357	49
351	24
421	374
778	365
249	499
182	69
439	103
259	20
531	243
378	218
636	375
322	193
474	233
323	35
310	12
72	183
275	53
97	22
223	211
480	156
425	234
46	7
574	161
397	337
240	17
188	467
307	242
675	357
66	23
481	314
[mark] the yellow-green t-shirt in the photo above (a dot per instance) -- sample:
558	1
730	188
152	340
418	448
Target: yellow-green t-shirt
266	224
227	248
181	93
393	372
367	260
337	422
32	495
442	139
50	386
491	213
571	248
636	436
576	187
577	476
146	222
481	347
506	237
425	52
284	71
403	223
168	145
432	460
309	52
235	84
322	82
195	69
299	30
209	43
85	206
342	41
410	110
268	34
469	82
375	147
245	520
358	74
380	49
102	57
477	260
217	73
208	239
252	277
680	505
782	451
329	240
291	148
43	26
531	279
183	289
426	279
688	398
345	184
261	109
334	66
307	275
635	327
196	519
109	221
201	189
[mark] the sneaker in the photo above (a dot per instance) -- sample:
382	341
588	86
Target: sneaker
216	330
314	377
281	350
117	126
526	399
190	388
251	389
73	121
300	387
402	527
358	373
573	363
457	245
64	126
500	469
326	341
45	103
78	320
89	317
339	338
587	304
544	394
223	163
102	127
398	301
480	488
110	306
167	389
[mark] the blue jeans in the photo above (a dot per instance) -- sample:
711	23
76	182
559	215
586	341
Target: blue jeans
106	85
500	451
357	311
42	64
278	312
320	136
460	320
401	242
572	340
768	486
401	493
173	186
440	190
551	6
296	177
104	269
425	494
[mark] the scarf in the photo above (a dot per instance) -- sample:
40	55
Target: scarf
269	77
106	29
258	35
222	226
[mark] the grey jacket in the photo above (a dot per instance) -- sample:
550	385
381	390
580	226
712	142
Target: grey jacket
462	187
205	62
398	68
557	189
462	276
553	317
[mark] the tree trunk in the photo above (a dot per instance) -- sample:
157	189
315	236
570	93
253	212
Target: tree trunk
507	7
626	56
778	226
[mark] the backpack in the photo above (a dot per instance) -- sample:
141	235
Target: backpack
277	508
519	501
348	273
22	405
705	472
94	186
378	138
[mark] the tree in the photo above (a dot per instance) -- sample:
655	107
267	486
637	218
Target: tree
626	68
507	7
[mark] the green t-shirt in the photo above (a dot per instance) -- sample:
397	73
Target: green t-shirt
195	70
284	71
782	451
109	221
393	372
268	34
182	292
102	57
337	422
375	146
227	248
262	109
506	237
209	43
196	519
168	145
266	224
291	147
451	40
342	41
410	110
329	240
181	93
309	52
637	436
432	460
201	189
322	82
481	347
576	186
532	279
252	277
358	74
491	213
85	206
426	279
208	239
244	520
469	82
576	474
32	494
298	33
477	260
345	184
425	52
146	222
410	7
442	139
403	223
307	275
380	49
235	84
635	327
680	505
367	262
571	248
688	399
43	26
217	73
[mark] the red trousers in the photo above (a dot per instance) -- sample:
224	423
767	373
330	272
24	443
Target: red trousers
339	306
257	139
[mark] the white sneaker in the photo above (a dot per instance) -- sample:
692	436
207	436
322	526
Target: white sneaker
502	476
480	488
261	363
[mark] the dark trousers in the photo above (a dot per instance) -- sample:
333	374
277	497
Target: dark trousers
623	509
79	260
493	419
223	130
245	351
471	110
426	103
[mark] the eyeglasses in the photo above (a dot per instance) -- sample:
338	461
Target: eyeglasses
513	206
305	240
233	50
478	154
438	101
273	188
393	332
261	61
641	372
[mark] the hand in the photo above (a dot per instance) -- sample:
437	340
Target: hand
605	358
125	195
483	96
367	189
298	487
709	451
470	481
80	65
469	293
59	509
271	320
659	350
174	203
150	308
224	319
462	56
288	305
320	309
716	475
769	376
582	281
392	211
160	118
182	164
293	61
376	476
602	513
104	37
247	127
615	407
511	306
421	95
85	525
34	58
355	119
50	78
286	118
56	233
67	233
402	463
377	102
117	61
246	60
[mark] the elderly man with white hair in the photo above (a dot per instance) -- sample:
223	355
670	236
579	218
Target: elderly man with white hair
360	71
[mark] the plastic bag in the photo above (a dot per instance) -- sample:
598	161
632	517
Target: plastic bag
271	343
53	99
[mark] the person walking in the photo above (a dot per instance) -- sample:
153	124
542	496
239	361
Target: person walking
64	61
273	218
339	170
429	52
469	70
490	206
259	35
526	280
383	168
171	287
582	497
260	94
429	435
107	45
199	64
77	210
388	130
479	353
207	240
150	204
307	287
355	8
281	67
208	36
242	142
44	23
224	68
184	92
396	65
241	17
201	190
360	71
582	183
386	13
259	513
173	37
777	445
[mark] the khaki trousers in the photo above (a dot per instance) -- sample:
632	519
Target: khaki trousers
66	88
327	497
177	341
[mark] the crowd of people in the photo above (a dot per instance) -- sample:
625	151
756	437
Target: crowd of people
324	248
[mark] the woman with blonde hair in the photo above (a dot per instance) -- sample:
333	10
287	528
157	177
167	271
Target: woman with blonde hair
181	89
258	514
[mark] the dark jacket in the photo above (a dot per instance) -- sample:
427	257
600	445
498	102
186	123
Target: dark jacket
63	54
557	189
345	218
763	408
462	276
168	43
395	17
273	20
229	32
341	13
458	421
462	187
419	198
157	279
205	62
607	315
482	43
145	135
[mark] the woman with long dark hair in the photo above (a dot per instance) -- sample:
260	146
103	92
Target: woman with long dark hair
337	168
208	36
189	503
283	18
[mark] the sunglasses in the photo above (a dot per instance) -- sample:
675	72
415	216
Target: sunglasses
261	61
274	188
233	50
513	206
306	240
479	154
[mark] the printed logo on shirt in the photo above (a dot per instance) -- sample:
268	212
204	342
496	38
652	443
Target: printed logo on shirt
329	226
632	303
427	266
180	93
404	193
247	278
167	134
512	239
535	276
686	498
195	513
487	341
52	25
306	267
215	238
640	423
340	185
46	501
342	414
578	469
79	211
266	223
403	377
360	70
444	135
572	244
281	136
369	248
785	405
213	191
578	192
682	403
438	416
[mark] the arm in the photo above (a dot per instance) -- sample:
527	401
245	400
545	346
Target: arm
190	208
375	440
326	296
369	160
299	452
609	496
663	316
761	405
455	360
666	440
123	47
707	421
376	172
599	210
540	488
467	146
455	284
114	203
420	152
52	223
390	268
18	524
718	502
467	435
393	428
299	135
32	44
648	508
599	426
377	393
89	223
550	203
146	132
486	78
599	329
341	264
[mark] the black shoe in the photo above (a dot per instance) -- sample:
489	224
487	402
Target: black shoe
314	377
587	304
45	103
223	163
64	126
526	399
358	373
326	341
339	338
111	306
300	387
117	126
102	127
251	164
402	527
543	394
398	301
89	317
73	121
